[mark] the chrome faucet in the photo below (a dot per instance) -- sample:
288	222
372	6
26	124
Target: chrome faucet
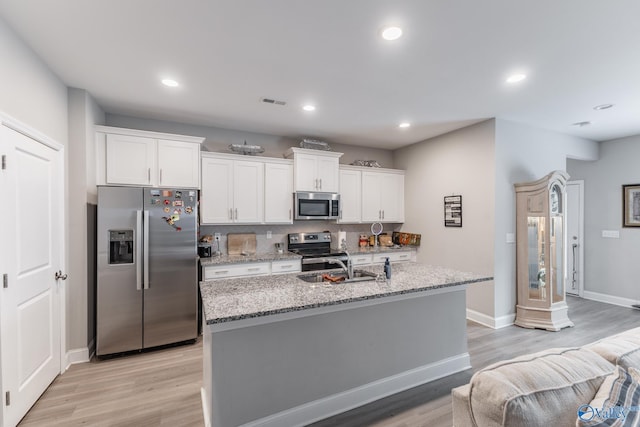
349	267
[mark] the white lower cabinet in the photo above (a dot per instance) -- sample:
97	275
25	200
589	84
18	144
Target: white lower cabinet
380	258
363	259
227	271
236	270
285	266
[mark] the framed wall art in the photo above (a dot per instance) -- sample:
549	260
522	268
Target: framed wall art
453	211
631	205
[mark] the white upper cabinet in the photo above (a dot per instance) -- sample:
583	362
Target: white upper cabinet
350	195
176	162
315	170
216	196
278	192
248	192
130	160
232	190
382	196
150	159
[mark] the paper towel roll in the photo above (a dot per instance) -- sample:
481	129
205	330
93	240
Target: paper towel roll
342	235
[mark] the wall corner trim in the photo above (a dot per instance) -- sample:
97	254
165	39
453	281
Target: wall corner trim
77	355
490	322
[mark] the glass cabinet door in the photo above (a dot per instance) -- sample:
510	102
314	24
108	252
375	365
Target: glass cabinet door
556	245
536	258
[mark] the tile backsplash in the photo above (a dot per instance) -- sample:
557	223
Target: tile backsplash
279	232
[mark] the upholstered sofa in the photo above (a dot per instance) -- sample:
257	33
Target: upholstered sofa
549	388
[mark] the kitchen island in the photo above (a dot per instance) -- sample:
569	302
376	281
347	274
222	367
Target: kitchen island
279	351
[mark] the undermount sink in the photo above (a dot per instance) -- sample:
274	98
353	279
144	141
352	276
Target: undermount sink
358	276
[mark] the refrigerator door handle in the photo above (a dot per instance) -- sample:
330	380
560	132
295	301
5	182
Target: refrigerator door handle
139	250
146	250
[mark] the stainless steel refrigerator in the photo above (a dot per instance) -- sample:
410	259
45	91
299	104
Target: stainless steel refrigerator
147	268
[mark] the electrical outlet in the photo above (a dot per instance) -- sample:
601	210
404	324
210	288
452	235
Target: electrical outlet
269	234
216	236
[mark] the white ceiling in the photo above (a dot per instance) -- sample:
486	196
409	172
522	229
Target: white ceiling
446	72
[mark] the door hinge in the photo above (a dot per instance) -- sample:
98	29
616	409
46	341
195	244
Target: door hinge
7	398
4	161
5	280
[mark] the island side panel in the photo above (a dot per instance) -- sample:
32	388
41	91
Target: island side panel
258	371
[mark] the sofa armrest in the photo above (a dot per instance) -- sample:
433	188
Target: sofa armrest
461	407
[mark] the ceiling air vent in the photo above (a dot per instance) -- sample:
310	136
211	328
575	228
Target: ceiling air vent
273	101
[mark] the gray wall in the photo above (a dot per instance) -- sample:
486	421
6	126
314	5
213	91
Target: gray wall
218	139
84	114
611	265
34	95
523	154
461	162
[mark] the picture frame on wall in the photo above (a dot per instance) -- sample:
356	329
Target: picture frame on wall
631	205
453	211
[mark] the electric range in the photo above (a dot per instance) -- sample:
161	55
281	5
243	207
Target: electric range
315	249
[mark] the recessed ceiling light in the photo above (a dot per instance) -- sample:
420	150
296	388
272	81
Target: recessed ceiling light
404	125
515	78
581	124
309	107
170	83
391	33
603	107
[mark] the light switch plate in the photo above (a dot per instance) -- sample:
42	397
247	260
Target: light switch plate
611	234
269	234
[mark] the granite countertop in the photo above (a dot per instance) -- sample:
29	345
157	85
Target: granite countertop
228	300
239	259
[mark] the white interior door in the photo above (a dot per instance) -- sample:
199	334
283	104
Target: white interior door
31	250
575	239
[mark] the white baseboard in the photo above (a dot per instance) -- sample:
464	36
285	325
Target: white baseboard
205	408
609	299
78	355
491	322
341	402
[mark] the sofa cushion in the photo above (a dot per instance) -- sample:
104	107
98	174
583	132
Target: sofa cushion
540	389
621	349
616	402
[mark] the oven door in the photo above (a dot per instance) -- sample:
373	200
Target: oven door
316	205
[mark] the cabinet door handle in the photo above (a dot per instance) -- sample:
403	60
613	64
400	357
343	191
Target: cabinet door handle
221	272
383	214
285	266
340	213
379	214
160	176
320	183
289	213
149	175
236	213
253	269
230	214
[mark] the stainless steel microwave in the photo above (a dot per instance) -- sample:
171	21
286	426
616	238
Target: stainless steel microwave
316	205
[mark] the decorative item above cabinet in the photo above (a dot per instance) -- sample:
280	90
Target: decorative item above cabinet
147	159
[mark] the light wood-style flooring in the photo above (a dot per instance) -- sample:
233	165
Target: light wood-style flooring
162	388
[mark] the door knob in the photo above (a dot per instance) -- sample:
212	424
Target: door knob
60	276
